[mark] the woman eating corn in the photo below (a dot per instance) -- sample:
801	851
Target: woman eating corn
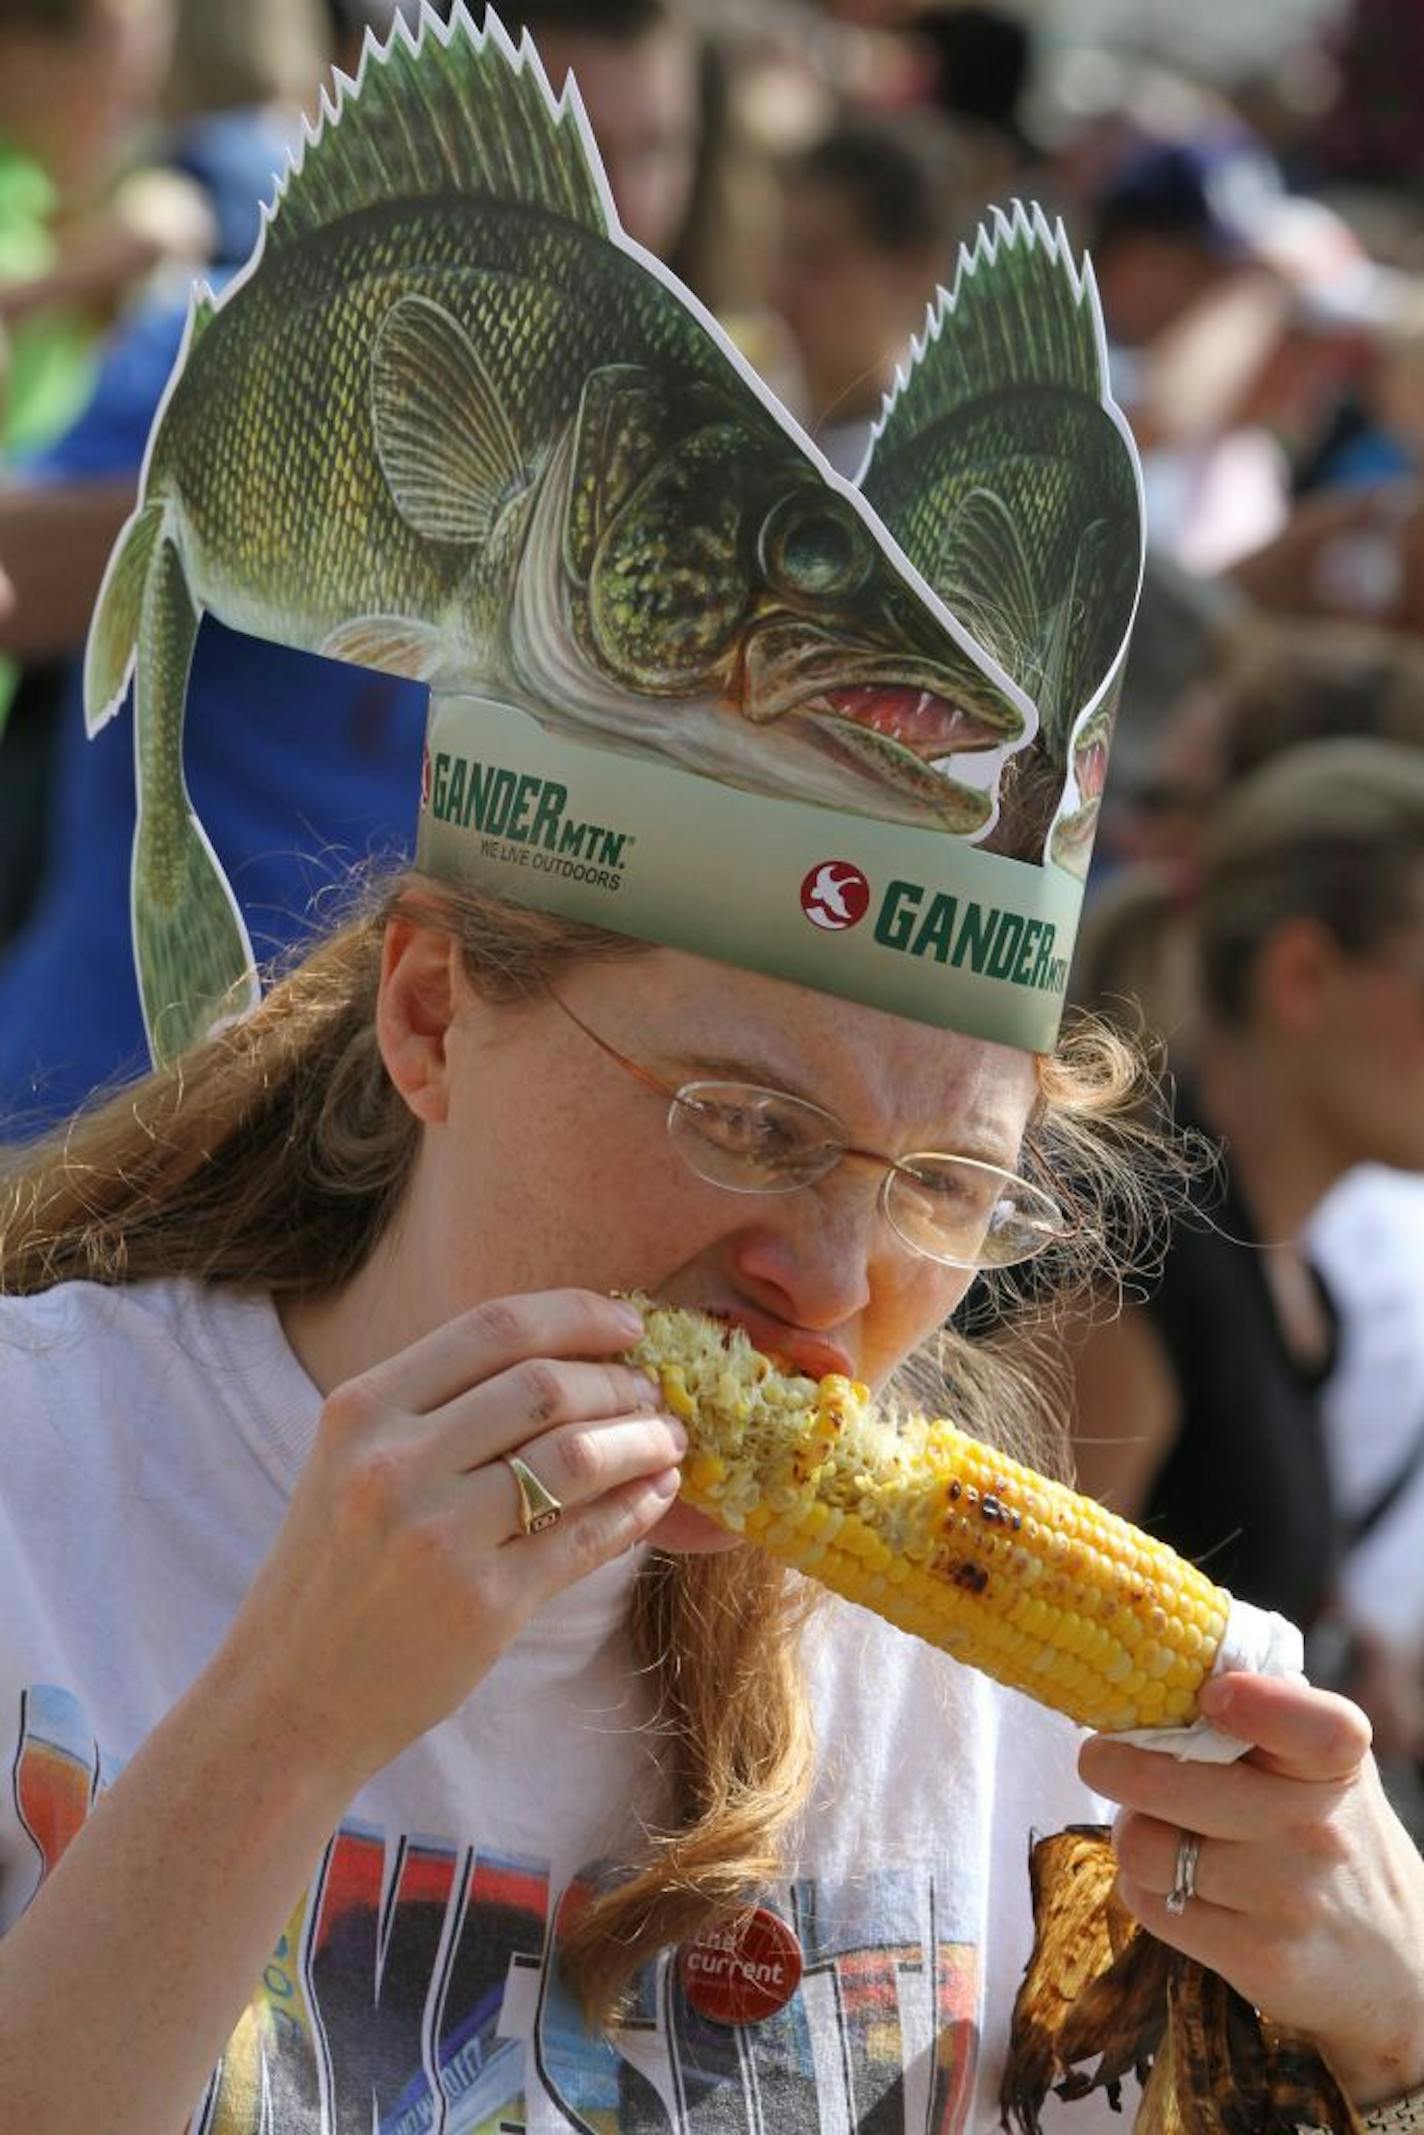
391	1746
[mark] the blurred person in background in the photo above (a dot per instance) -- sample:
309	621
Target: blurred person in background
659	93
1192	317
1185	626
871	215
1370	132
237	84
1198	1408
1309	1411
983	61
1172	222
1258	688
1282	689
76	77
1245	321
638	67
1355	544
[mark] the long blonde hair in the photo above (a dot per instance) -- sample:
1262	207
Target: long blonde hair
273	1157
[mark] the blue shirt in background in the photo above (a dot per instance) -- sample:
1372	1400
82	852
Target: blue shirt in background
299	768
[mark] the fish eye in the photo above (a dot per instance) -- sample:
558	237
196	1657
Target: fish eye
815	545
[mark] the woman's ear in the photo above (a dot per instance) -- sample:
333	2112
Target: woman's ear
415	1007
1296	969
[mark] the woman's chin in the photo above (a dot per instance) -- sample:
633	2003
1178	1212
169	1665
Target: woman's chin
683	1532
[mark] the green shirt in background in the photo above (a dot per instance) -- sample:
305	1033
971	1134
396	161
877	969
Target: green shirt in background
50	356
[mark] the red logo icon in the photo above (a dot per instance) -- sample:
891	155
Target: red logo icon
834	895
741	1973
425	780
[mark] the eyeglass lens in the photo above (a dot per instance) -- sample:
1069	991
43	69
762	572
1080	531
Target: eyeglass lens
952	1209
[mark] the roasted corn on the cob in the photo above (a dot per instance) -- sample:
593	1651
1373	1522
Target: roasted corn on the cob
1019	1576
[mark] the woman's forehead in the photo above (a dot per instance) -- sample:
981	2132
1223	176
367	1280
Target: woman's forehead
878	1071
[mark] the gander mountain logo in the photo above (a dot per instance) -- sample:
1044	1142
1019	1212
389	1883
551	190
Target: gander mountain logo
522	810
959	931
834	895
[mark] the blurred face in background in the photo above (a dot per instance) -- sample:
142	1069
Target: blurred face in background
72	93
643	104
1353	1026
851	303
1147	282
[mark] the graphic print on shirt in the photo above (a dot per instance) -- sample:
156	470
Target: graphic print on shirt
416	1990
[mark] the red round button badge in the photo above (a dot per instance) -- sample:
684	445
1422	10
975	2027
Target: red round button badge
742	1973
834	895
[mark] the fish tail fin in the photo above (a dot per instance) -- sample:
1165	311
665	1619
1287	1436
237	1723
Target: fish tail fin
1022	313
192	953
113	634
191	949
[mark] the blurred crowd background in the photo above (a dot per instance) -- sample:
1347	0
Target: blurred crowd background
1250	181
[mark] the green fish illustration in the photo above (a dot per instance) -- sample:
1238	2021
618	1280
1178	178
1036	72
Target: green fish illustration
1071	842
451	423
1009	477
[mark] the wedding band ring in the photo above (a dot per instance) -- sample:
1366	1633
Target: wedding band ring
1185	1885
538	1507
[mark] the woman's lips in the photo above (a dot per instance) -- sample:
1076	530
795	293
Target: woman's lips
797	1347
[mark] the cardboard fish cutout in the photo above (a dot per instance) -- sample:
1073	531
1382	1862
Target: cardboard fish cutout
1004	470
452	423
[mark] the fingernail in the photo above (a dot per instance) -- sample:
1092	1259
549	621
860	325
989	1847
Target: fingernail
677	1434
630	1319
650	1391
666	1484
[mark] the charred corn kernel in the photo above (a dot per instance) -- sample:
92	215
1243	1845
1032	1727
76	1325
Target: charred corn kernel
1044	1590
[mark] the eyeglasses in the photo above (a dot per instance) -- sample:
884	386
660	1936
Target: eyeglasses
750	1140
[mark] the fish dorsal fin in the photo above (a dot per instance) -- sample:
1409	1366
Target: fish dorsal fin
202	310
443	109
1021	314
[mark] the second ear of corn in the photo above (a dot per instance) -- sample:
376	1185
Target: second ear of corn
1019	1576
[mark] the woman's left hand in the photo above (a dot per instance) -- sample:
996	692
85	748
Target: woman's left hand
1309	1892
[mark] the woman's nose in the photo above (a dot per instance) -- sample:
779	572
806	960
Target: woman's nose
822	1250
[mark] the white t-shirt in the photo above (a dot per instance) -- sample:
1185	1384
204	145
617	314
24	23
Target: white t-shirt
151	1440
1367	1239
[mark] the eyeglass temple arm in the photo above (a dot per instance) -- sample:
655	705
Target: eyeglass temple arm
649	1081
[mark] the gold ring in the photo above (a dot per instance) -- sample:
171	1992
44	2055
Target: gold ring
538	1507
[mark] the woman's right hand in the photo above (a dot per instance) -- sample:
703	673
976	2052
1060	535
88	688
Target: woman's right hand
400	1572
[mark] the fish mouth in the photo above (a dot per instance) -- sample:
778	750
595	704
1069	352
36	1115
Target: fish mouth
1090	767
1092	758
919	703
921	720
895	720
951	803
1072	839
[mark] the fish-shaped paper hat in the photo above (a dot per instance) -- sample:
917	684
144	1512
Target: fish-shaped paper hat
686	682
